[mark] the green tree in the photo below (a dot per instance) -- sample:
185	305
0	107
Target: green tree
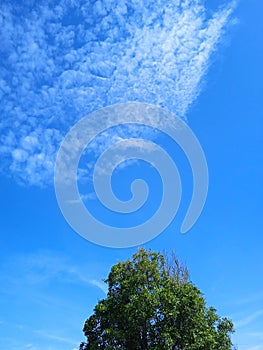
151	304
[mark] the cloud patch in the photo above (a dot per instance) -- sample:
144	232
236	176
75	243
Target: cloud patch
61	60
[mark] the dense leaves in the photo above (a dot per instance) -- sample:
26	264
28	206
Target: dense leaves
151	304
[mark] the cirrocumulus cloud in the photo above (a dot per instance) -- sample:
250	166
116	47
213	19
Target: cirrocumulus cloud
61	60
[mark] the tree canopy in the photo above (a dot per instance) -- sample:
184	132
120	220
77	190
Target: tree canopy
152	304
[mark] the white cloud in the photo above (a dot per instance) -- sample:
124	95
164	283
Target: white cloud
48	335
44	266
258	296
64	59
248	319
101	285
256	347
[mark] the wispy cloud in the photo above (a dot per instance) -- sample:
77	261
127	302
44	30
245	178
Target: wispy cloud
50	284
256	347
248	319
62	60
48	335
100	285
251	298
41	268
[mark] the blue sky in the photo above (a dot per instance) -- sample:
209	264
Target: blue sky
61	60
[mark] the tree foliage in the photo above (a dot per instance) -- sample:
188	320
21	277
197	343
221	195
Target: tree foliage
151	304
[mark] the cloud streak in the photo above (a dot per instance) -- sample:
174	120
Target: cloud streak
61	60
249	319
36	270
48	335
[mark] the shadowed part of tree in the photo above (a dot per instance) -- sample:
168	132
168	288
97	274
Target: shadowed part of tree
152	304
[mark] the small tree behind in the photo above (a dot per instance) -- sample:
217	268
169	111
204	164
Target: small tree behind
151	304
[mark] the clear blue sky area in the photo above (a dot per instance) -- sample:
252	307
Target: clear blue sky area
61	60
